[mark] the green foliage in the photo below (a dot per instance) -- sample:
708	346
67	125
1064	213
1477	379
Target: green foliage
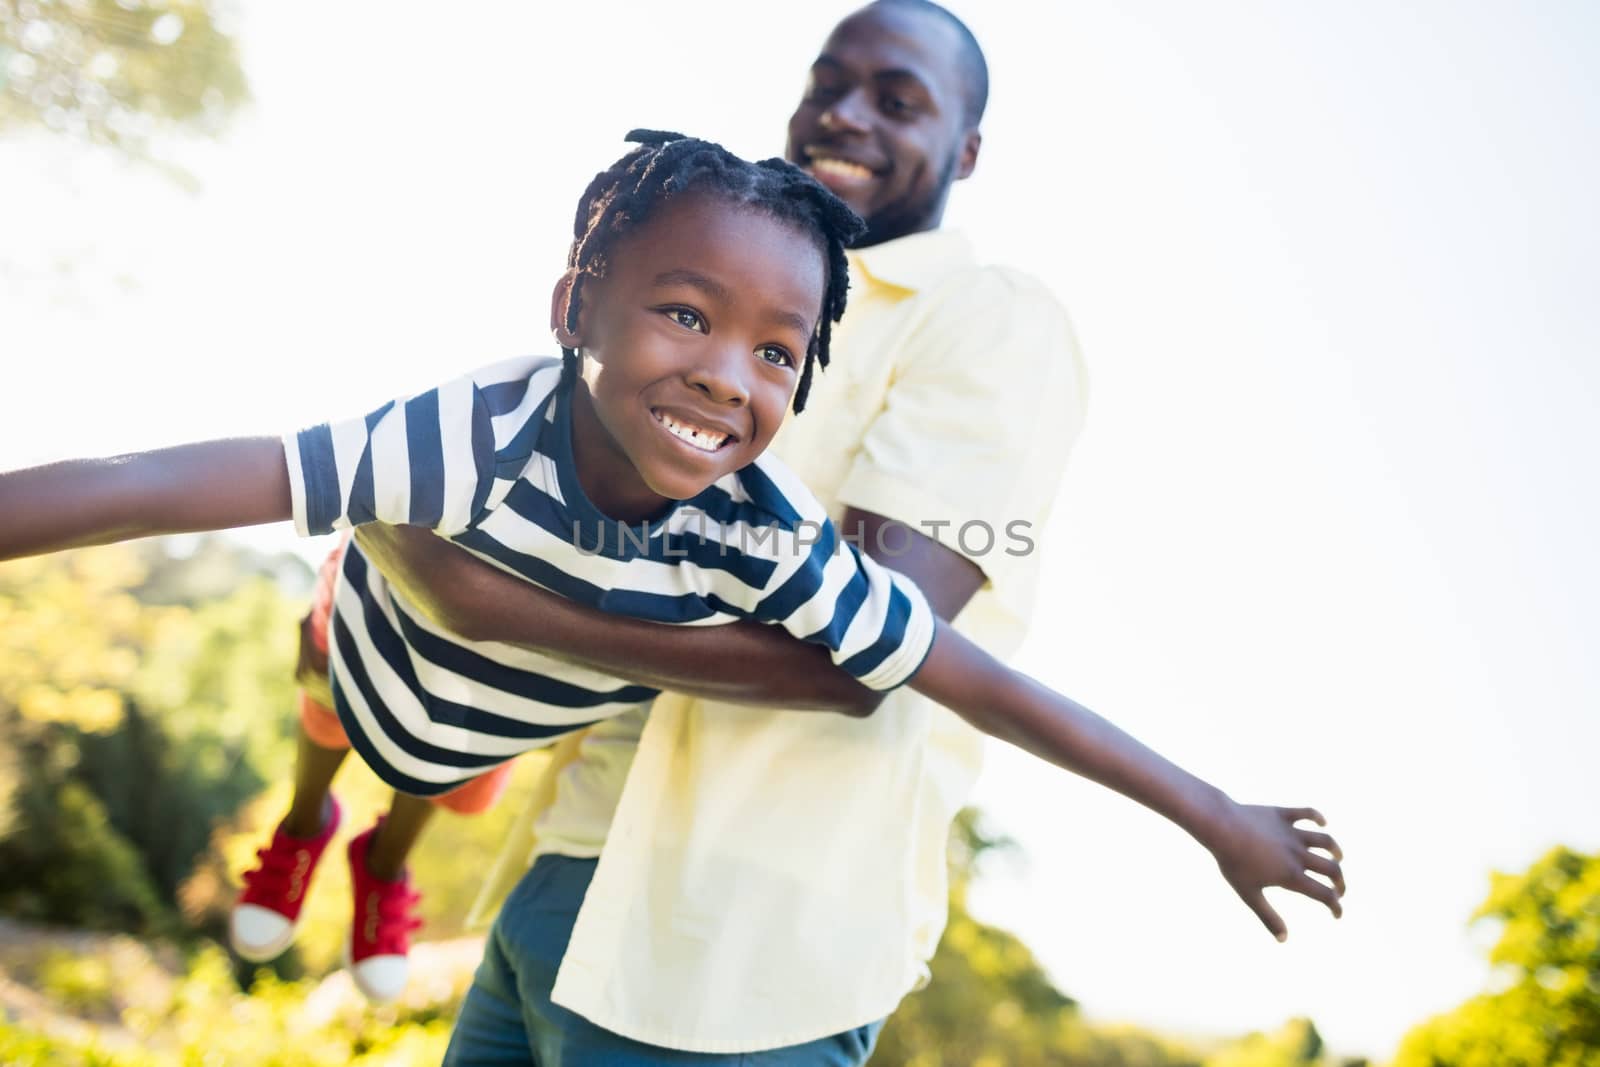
117	72
205	1018
81	984
147	741
1548	1012
126	731
1295	1044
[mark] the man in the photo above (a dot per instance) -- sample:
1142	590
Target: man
735	879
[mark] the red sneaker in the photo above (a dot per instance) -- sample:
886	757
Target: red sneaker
266	916
378	952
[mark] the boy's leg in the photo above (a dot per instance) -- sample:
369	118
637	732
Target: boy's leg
397	835
266	915
322	745
520	963
384	903
314	768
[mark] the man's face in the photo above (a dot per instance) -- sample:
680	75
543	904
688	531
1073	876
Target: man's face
883	119
693	341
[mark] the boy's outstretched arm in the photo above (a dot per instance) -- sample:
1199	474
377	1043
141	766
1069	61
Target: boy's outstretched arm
1255	846
212	485
742	663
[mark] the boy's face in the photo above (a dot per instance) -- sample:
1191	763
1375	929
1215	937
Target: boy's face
693	342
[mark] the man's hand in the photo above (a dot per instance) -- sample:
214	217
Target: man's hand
1257	846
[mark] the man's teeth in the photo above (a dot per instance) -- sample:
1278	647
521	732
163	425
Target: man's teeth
705	440
840	168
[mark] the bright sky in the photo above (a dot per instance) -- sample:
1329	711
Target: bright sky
1327	538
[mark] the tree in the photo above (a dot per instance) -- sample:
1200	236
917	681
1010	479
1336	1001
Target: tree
1295	1044
1548	954
118	73
127	730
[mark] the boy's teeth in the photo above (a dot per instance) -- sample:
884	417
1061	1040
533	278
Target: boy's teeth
707	440
840	167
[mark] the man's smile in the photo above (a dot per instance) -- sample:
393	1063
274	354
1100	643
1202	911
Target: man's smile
836	170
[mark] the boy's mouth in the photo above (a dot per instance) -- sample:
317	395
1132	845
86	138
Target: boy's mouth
703	438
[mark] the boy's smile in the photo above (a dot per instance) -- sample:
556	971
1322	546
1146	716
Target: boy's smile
693	342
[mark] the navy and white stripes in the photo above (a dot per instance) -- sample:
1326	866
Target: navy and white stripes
486	461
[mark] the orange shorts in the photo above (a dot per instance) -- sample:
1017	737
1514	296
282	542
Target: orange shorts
321	723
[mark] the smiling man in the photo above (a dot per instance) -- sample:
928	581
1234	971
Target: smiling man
879	125
715	879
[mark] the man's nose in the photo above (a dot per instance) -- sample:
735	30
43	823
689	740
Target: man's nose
850	113
721	376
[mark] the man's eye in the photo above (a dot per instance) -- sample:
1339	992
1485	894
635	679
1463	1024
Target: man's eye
896	105
823	88
775	355
689	320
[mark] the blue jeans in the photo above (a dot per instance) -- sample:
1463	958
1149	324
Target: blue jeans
508	1018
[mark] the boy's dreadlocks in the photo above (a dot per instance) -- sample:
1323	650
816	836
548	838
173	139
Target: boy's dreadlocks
665	164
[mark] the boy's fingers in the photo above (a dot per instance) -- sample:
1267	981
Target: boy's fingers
1269	918
1316	890
1328	869
1316	839
1301	814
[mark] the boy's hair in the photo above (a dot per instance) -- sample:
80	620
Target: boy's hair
666	164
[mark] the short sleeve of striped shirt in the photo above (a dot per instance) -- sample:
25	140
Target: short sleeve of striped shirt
875	622
429	460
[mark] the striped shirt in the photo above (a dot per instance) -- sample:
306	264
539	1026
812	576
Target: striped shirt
486	461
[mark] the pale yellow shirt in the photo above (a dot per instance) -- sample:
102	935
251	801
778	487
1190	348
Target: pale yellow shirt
769	878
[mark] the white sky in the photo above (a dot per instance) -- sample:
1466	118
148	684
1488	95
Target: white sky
1327	539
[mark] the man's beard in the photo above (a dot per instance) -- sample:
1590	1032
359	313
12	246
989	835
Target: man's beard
909	216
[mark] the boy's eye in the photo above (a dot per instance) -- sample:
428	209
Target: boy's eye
775	355
689	320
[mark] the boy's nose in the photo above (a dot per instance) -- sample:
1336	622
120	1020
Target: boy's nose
722	380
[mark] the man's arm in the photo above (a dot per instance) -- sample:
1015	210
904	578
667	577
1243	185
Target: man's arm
213	485
1255	846
743	663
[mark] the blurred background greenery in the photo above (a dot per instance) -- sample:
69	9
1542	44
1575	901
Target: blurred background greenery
146	729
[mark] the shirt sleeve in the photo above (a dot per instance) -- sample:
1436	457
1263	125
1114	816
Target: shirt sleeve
979	418
428	460
875	622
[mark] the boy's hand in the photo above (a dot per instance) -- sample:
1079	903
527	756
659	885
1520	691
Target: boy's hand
1260	846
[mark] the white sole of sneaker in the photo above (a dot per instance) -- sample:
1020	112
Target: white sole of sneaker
373	996
266	951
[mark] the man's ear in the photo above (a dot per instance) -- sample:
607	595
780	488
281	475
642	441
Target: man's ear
560	301
968	161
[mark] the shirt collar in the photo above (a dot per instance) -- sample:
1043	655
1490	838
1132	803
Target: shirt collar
915	261
592	531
